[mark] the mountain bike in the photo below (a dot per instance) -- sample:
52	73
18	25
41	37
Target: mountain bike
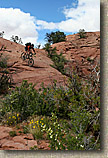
28	55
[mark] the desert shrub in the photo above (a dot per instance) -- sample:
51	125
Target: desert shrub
11	118
16	39
5	77
65	138
22	100
55	133
58	59
5	81
55	37
12	133
3	61
25	129
82	33
35	128
1	34
48	48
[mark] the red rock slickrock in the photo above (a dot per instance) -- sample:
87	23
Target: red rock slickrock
41	70
79	50
20	142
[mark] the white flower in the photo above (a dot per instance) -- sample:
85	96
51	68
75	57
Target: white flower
81	146
44	126
56	135
49	129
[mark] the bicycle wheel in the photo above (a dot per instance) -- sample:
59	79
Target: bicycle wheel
31	62
24	57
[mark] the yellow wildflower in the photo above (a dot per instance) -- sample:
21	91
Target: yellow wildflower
13	117
33	126
17	115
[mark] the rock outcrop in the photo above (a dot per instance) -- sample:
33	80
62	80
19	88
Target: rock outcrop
21	141
41	70
81	51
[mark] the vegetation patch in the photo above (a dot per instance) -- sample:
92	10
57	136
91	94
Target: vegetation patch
69	117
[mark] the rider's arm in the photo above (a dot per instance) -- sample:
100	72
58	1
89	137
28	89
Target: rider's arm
33	50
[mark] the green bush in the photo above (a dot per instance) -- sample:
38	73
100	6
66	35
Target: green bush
5	78
25	129
55	37
12	133
82	33
5	81
22	100
3	61
58	59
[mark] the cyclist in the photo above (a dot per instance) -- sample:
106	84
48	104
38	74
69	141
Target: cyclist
29	47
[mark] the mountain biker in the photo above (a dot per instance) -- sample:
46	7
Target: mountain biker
29	47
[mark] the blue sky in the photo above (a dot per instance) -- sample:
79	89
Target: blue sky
48	10
32	19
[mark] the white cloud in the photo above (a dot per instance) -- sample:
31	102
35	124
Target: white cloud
85	16
45	25
16	22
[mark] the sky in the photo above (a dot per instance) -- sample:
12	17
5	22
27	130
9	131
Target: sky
32	19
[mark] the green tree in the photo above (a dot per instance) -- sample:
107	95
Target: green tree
16	39
82	33
55	37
